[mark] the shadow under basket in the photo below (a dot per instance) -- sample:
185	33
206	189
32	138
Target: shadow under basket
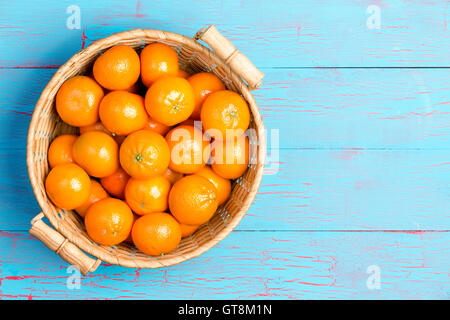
69	238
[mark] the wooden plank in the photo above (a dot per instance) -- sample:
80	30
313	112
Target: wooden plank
354	189
274	265
283	34
307	190
358	108
314	108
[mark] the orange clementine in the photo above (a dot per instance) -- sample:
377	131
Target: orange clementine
157	127
187	230
77	101
98	126
172	176
183	74
223	186
225	112
144	154
97	193
117	68
109	221
149	195
60	151
156	233
170	100
203	84
157	59
97	153
122	112
115	184
189	151
193	200
68	186
230	158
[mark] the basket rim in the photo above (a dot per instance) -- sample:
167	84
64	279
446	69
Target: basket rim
244	90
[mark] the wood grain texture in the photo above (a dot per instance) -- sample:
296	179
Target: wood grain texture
275	265
272	33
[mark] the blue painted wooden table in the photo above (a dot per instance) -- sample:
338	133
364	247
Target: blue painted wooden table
354	204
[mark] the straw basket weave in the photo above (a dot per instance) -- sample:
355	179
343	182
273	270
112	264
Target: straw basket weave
69	238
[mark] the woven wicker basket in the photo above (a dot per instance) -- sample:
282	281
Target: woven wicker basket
70	239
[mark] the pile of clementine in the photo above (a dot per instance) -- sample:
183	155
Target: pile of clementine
157	148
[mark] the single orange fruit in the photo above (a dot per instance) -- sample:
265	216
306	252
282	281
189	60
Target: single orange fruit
183	74
156	233
109	221
157	59
157	127
77	101
60	151
98	126
97	193
225	112
97	153
149	195
203	84
122	112
170	100
115	184
187	230
144	154
172	176
189	151
117	68
68	186
230	158
193	200
223	186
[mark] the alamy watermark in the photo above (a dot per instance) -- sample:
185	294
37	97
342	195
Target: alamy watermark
374	280
374	20
74	280
73	22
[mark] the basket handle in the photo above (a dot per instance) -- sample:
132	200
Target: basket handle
62	246
237	61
